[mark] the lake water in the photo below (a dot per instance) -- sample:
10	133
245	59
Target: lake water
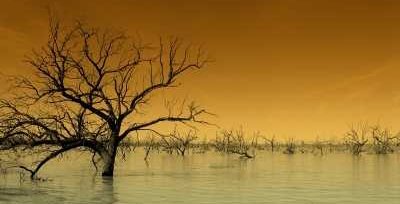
215	178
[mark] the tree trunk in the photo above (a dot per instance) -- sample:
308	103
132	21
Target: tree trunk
108	168
108	157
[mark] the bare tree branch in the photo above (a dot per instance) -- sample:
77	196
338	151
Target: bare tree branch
90	84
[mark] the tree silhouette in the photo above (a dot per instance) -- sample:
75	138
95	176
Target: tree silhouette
87	91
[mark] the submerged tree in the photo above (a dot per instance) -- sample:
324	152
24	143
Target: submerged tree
233	142
382	140
318	146
88	92
357	137
178	142
290	147
271	142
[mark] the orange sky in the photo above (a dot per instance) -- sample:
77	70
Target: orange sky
285	67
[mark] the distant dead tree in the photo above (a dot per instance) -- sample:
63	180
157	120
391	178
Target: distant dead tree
89	90
382	140
290	146
149	145
333	145
202	146
127	146
318	146
270	142
397	140
184	141
233	141
357	137
178	142
255	139
302	147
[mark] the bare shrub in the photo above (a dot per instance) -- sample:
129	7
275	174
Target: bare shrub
149	144
202	147
357	137
318	146
270	143
290	146
178	142
383	140
233	141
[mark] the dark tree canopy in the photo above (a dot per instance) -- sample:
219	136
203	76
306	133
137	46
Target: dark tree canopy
88	87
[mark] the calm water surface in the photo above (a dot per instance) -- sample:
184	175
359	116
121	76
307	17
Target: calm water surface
215	178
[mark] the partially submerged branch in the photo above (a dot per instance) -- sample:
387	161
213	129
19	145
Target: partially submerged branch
357	138
233	142
290	146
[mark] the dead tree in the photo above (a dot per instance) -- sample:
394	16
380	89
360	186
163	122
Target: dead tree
318	146
254	140
202	147
149	145
178	142
382	140
302	147
290	147
270	142
89	91
183	141
356	138
233	142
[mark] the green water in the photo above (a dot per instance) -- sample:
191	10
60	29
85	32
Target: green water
215	178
